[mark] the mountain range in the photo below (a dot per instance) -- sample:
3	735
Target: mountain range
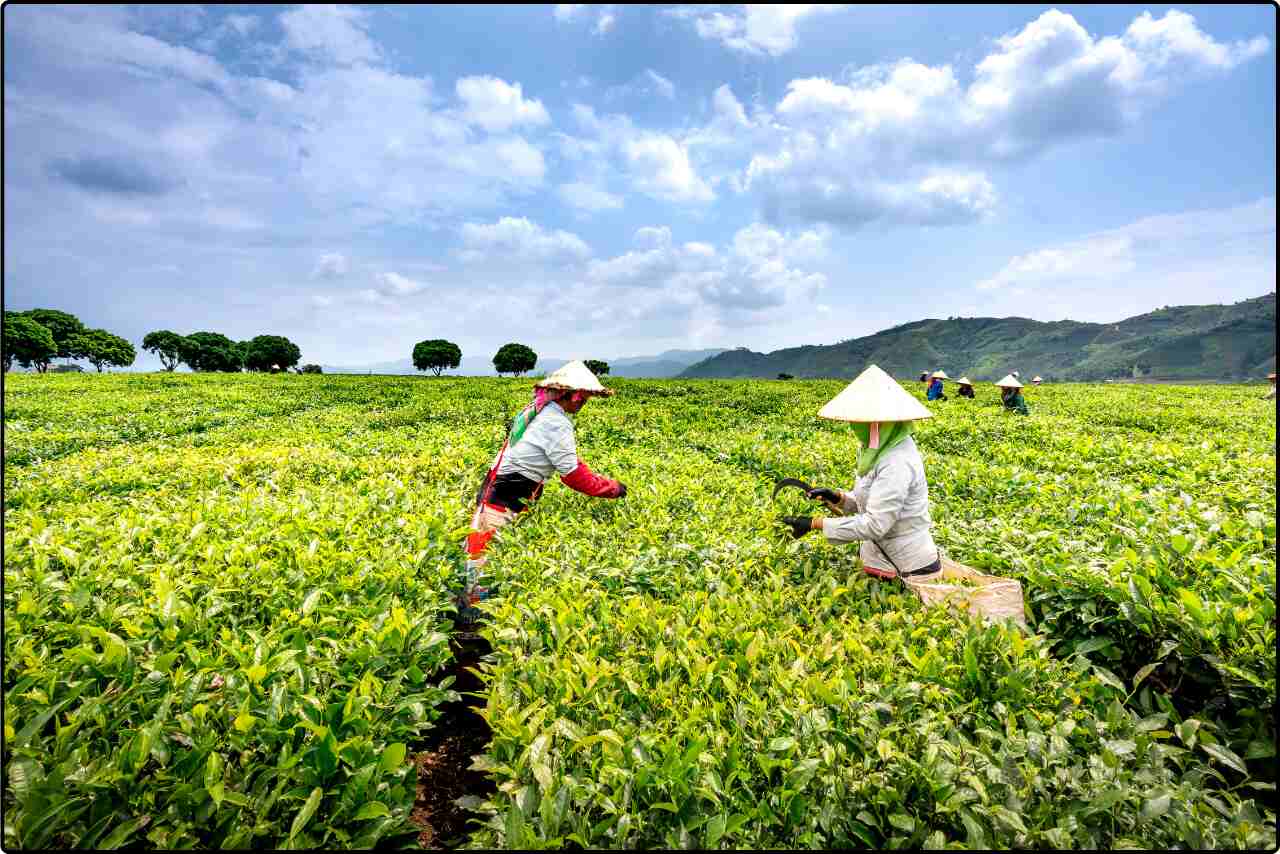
1195	342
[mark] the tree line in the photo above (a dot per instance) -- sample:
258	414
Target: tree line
437	355
33	339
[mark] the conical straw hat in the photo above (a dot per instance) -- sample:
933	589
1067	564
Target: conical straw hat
874	396
940	375
1271	376
1009	382
1036	380
964	381
574	376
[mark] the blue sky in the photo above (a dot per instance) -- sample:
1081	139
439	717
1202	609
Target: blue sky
605	181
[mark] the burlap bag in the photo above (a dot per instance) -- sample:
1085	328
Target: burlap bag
961	586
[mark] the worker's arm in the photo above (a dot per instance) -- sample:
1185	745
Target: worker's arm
562	449
884	503
583	479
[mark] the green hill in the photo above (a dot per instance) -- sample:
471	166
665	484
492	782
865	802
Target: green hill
1180	342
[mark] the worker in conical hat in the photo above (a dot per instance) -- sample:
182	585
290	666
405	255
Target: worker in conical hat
966	388
935	386
1011	395
540	443
1271	393
1036	380
888	508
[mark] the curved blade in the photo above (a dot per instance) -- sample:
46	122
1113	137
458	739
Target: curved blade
791	481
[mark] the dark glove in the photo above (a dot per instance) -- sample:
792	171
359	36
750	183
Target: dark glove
799	525
828	495
622	490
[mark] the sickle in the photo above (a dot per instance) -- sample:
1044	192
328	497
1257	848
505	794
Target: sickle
791	481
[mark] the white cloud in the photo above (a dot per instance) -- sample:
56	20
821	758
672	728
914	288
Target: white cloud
755	29
660	167
606	14
1176	37
331	32
331	265
656	164
909	143
1096	257
1193	257
497	105
242	24
587	197
756	272
86	40
647	83
728	107
396	285
516	238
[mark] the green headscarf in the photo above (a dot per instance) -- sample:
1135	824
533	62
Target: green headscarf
891	433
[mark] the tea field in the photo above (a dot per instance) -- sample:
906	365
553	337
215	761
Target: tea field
226	621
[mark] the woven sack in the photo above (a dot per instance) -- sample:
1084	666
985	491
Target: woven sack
961	586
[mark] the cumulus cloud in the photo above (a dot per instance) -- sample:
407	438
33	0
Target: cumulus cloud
330	32
518	238
497	105
754	29
660	167
655	163
396	285
757	271
331	265
1150	247
606	14
568	11
909	143
646	84
588	197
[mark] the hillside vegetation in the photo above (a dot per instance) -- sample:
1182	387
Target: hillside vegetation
1179	342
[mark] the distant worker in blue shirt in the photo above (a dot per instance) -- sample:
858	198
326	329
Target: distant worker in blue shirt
935	386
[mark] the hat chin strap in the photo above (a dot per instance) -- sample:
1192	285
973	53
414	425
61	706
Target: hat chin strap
874	442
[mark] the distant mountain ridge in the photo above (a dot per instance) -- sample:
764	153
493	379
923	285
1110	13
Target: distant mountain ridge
1235	341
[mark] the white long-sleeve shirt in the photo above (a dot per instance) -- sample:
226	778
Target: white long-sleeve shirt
547	446
891	503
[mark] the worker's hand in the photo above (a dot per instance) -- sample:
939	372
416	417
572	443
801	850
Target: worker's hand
622	490
831	496
799	525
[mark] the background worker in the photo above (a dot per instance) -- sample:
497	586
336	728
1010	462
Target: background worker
1011	395
890	499
1271	393
965	387
540	443
935	386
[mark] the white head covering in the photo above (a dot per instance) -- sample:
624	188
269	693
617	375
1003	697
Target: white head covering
964	381
939	375
574	376
1036	380
872	398
1009	382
